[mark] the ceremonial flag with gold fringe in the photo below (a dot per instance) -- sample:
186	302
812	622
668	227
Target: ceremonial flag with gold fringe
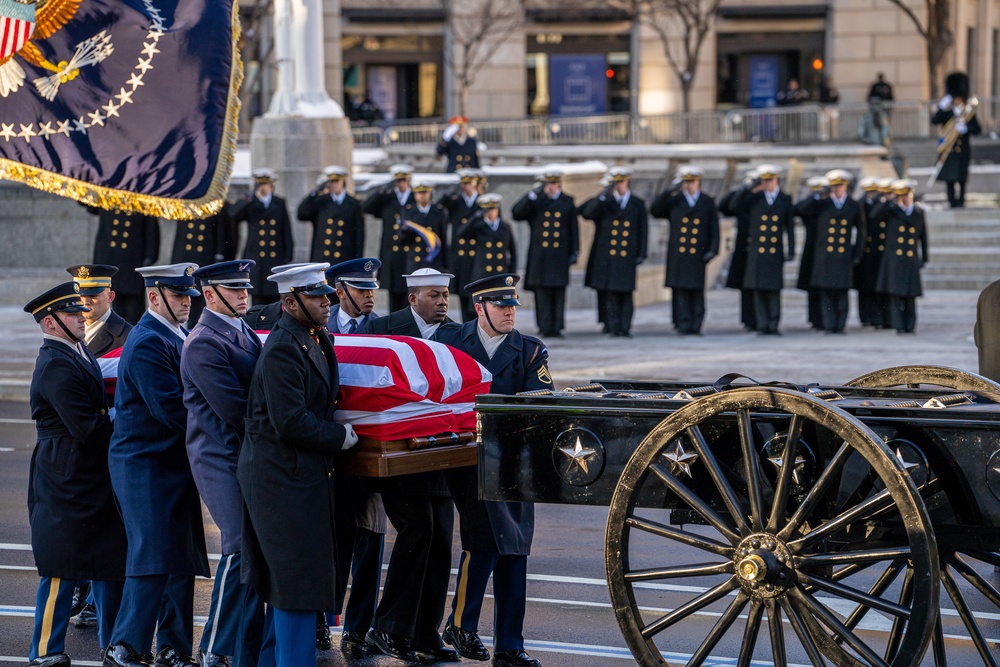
124	104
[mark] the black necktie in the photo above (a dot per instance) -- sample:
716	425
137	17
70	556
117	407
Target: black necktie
352	326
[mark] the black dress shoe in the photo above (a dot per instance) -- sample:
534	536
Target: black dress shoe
514	659
51	660
323	639
168	657
80	594
467	643
438	654
207	659
123	655
354	645
392	645
87	618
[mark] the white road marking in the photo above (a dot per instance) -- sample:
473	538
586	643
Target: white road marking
17	421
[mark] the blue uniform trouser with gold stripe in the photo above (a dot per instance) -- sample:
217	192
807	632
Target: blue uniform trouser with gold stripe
161	603
53	604
510	590
236	616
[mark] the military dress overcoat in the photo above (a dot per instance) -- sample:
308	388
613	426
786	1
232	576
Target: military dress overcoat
385	205
269	240
76	532
839	242
148	458
338	229
620	238
956	164
111	336
905	251
519	364
555	238
460	257
414	247
765	248
495	250
285	470
694	237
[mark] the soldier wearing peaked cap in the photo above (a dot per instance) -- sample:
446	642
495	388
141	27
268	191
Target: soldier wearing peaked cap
461	207
553	249
217	363
269	233
496	536
770	215
818	187
76	532
387	204
904	255
489	239
432	219
620	238
265	316
152	479
126	240
839	245
285	466
693	242
956	113
420	508
106	329
460	148
337	219
361	524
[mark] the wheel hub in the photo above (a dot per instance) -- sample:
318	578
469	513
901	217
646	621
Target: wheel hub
763	565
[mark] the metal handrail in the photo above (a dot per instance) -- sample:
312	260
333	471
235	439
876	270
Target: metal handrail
794	124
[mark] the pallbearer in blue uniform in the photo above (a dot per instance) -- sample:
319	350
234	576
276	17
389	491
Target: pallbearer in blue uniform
496	536
76	533
361	521
153	483
217	364
106	329
285	467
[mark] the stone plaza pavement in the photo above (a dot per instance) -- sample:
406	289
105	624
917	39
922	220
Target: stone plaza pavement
945	322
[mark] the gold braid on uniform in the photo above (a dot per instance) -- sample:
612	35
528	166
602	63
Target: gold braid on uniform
130	202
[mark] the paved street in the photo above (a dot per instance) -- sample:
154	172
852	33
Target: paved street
569	619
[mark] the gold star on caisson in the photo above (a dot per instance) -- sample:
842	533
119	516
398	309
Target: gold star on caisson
578	456
680	460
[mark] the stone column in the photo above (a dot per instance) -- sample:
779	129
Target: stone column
304	129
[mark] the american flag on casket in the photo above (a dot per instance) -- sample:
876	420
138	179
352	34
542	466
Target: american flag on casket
393	387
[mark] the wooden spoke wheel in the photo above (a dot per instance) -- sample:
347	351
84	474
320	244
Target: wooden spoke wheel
715	531
918	376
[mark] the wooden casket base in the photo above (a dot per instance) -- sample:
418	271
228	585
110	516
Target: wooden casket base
388	458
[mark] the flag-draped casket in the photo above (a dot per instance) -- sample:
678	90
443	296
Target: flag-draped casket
411	401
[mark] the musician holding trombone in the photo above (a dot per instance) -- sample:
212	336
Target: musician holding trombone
956	114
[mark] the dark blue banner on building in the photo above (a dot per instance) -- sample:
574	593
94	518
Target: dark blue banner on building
578	84
127	104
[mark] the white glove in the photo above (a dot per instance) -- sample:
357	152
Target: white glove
450	132
350	439
961	127
481	146
945	102
532	195
111	413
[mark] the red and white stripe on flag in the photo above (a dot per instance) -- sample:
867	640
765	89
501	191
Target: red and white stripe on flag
14	34
392	387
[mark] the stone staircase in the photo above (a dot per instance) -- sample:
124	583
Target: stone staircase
963	245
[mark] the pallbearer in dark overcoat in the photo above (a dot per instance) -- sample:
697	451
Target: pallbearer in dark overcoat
152	478
905	254
620	239
461	206
76	532
386	204
217	363
269	233
496	536
692	243
337	219
106	329
553	249
128	241
770	214
839	245
286	464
